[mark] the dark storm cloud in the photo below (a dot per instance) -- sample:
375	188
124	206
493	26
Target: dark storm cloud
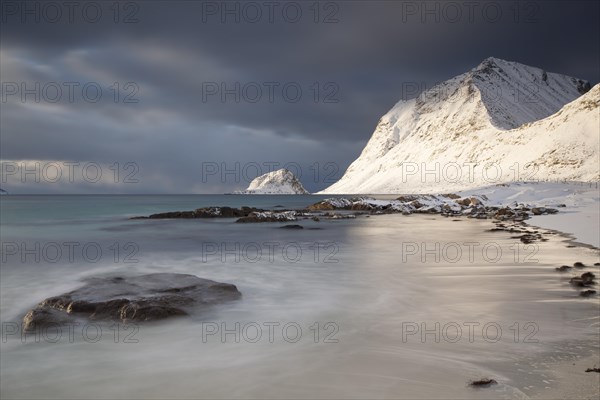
177	50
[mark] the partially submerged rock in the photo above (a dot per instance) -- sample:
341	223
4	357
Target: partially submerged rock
291	227
485	382
205	212
586	279
130	299
564	268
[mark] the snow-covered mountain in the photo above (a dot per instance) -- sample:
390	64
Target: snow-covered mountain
281	181
500	122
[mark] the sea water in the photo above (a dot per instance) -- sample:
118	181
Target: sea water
385	306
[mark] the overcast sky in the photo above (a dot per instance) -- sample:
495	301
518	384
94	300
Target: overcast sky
201	96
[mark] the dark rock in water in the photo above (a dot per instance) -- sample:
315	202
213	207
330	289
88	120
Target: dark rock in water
587	293
593	370
586	279
291	227
588	276
563	268
44	317
205	212
222	212
131	299
578	265
529	237
596	264
483	382
578	282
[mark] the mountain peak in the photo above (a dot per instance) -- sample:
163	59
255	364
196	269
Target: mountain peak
491	61
482	116
490	64
515	94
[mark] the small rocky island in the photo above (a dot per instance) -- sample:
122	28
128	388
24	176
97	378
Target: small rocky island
125	299
281	181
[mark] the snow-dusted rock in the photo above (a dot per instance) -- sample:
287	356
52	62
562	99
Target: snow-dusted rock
281	181
269	216
501	122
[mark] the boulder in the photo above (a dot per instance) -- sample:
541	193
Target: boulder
131	299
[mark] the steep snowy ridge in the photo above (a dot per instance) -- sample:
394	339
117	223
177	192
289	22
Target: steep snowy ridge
515	94
281	181
501	114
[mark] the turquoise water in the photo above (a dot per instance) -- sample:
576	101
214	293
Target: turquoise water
23	209
354	287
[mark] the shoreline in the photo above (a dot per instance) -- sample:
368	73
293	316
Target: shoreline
570	379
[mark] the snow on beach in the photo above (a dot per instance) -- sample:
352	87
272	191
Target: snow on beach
579	217
578	204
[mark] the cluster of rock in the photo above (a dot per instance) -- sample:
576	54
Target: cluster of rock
130	299
584	281
527	235
446	205
449	205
